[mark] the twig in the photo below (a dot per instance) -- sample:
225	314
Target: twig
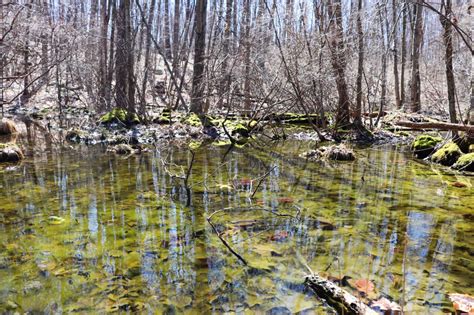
261	180
224	241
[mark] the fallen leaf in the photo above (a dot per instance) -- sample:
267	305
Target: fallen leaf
463	303
364	286
285	200
279	236
384	305
458	185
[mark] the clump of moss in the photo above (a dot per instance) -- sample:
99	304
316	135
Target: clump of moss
10	152
241	130
423	145
447	155
120	115
465	163
193	120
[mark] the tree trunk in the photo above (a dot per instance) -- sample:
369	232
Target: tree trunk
396	81
197	93
225	82
151	17
247	51
360	65
415	88
338	61
448	43
124	93
176	37
104	14
166	30
404	54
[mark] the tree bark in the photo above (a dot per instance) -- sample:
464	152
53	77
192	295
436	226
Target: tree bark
124	92
340	299
360	65
448	44
197	93
404	54
396	81
415	88
247	51
338	61
436	125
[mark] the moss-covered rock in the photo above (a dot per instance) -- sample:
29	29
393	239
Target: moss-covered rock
333	152
424	145
447	155
164	118
240	129
120	115
465	163
193	120
10	152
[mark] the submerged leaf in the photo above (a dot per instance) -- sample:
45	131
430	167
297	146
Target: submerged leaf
463	302
385	305
55	220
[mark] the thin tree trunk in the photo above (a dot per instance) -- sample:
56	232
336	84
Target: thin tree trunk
176	37
396	81
404	54
415	88
151	17
448	43
247	51
105	13
360	65
166	30
225	82
198	87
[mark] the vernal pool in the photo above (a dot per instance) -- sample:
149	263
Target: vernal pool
90	232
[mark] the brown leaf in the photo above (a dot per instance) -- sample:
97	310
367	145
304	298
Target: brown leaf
285	200
386	306
458	185
462	303
364	285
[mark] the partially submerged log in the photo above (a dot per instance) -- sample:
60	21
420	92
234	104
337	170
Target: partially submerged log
340	299
436	125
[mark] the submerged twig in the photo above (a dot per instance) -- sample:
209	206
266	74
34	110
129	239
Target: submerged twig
261	180
224	241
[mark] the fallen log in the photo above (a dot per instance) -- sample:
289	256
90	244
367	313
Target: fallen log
436	125
340	299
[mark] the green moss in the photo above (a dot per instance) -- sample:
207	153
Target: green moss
465	163
423	145
447	155
193	120
471	148
120	115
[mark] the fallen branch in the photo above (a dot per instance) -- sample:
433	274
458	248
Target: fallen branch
436	125
340	299
223	240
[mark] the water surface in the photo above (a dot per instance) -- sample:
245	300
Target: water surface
87	231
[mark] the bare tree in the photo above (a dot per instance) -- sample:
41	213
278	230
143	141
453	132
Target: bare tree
415	84
198	87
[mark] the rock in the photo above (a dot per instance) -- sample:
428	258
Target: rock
122	148
447	155
76	135
424	145
338	153
333	152
465	163
120	115
10	152
7	127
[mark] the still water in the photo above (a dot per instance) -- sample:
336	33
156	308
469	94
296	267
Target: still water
87	231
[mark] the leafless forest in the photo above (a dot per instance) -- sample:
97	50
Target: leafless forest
338	58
